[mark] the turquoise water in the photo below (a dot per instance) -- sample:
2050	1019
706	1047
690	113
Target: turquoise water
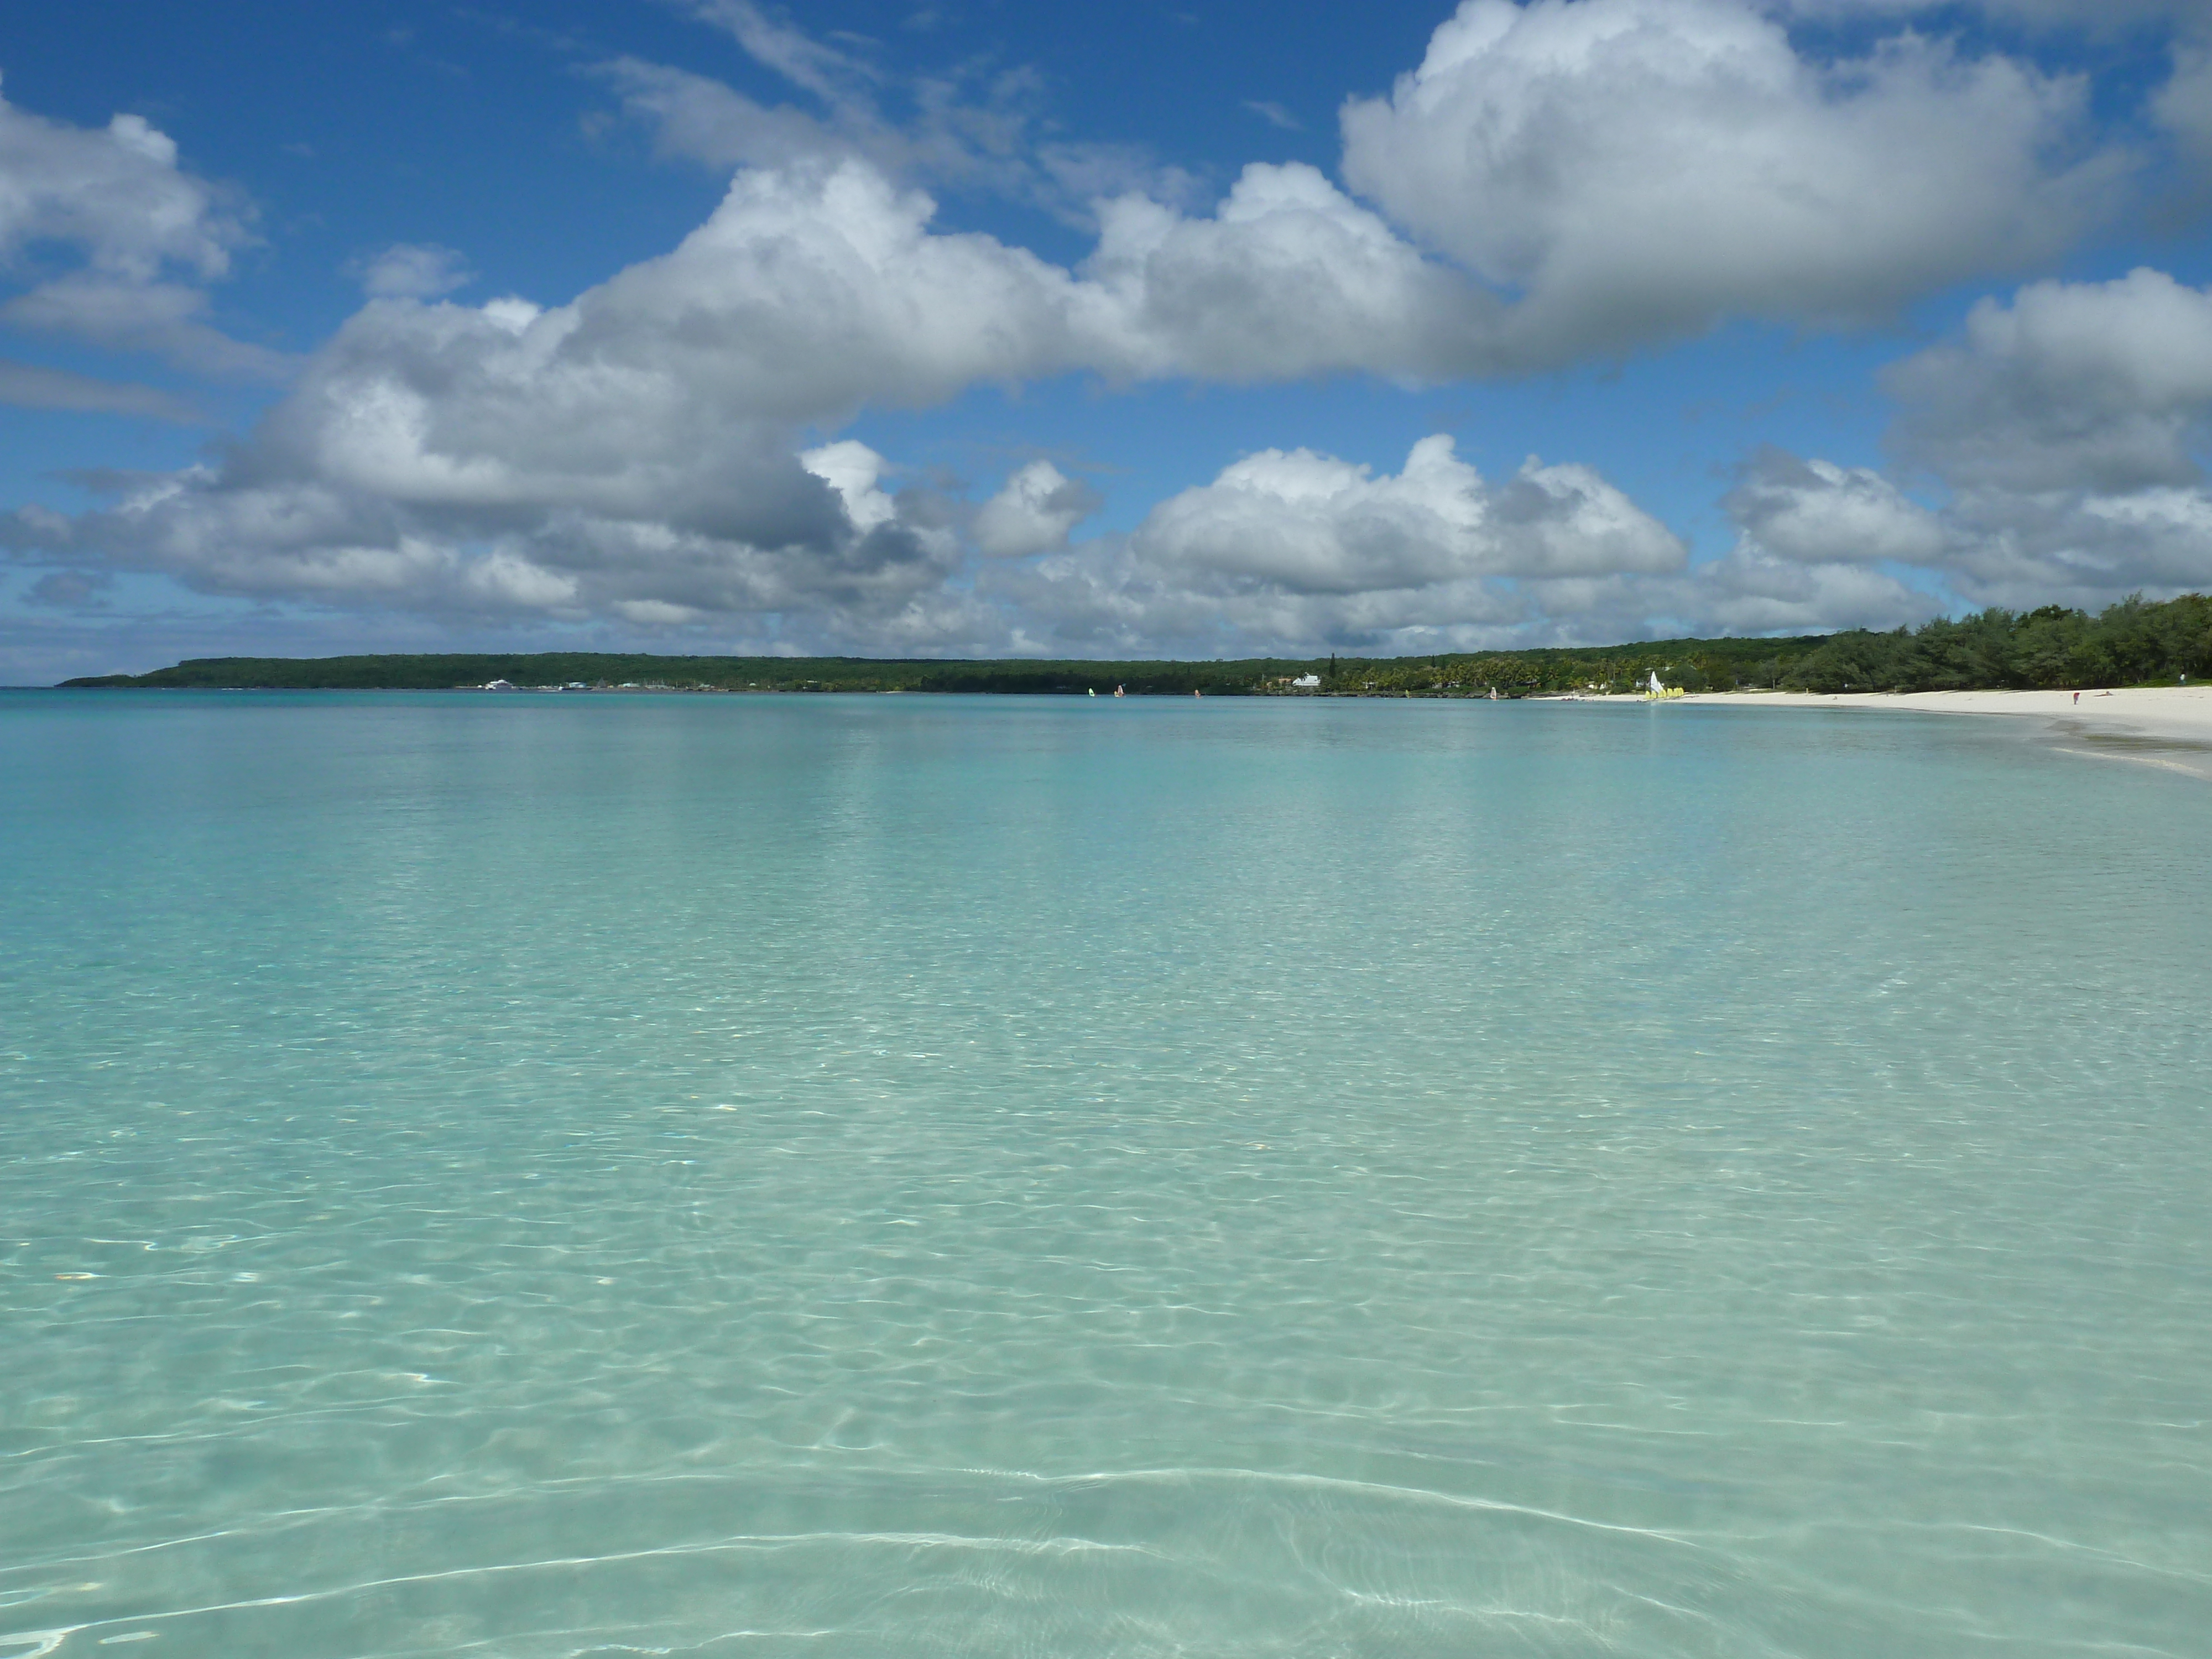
898	1176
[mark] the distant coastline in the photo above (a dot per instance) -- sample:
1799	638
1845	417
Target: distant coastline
1509	674
2135	642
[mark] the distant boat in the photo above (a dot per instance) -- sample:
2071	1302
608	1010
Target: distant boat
1117	691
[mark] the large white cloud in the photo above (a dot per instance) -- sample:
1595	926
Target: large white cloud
2091	385
1286	549
114	192
1307	523
1815	513
634	452
1288	277
847	560
1617	173
2067	428
1637	169
116	240
451	460
1591	176
815	290
1750	591
2080	548
2071	425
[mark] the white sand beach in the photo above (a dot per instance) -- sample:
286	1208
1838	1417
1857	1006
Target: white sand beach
2160	726
2183	712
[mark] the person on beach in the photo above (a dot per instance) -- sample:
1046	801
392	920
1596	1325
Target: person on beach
2077	699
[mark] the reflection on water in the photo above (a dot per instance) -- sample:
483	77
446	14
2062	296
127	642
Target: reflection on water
854	1177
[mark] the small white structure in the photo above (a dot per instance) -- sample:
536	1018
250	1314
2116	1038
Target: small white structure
1306	683
499	685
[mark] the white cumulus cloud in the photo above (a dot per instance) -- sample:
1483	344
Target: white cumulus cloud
1817	513
115	193
2067	425
1034	511
661	450
2096	386
1750	592
1307	523
1286	549
116	240
636	446
1635	170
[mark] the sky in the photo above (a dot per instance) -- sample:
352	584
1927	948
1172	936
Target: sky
966	328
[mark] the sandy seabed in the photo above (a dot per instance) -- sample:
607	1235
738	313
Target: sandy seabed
2165	726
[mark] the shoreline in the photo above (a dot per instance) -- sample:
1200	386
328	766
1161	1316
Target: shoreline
2168	727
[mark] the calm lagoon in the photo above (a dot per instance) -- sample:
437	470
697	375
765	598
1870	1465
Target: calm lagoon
835	1176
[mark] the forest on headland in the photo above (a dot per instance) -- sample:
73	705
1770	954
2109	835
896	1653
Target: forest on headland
2136	641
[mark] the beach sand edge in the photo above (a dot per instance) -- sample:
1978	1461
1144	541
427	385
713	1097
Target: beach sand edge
2168	727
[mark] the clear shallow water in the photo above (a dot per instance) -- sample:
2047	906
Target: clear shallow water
891	1176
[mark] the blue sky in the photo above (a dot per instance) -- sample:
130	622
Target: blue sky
1193	330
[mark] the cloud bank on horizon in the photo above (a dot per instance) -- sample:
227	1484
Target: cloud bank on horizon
667	457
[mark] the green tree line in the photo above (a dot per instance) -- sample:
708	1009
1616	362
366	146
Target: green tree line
2132	642
1465	674
2129	643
